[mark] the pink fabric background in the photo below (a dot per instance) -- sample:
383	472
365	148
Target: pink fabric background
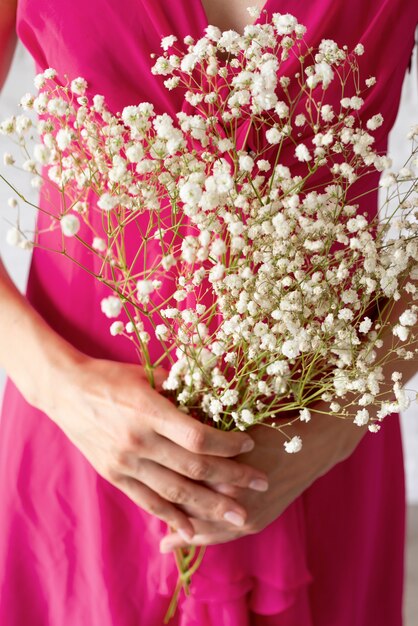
73	548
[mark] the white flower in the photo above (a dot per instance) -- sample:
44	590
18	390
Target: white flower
70	225
229	397
216	273
116	328
78	86
14	237
26	102
246	163
168	261
144	287
41	153
294	445
217	248
281	109
161	331
401	332
359	49
135	153
99	244
365	325
408	318
107	202
300	119
167	42
215	407
290	348
327	113
64	138
387	180
111	306
8	159
285	24
305	415
247	416
375	121
362	417
190	193
324	73
273	136
302	153
58	107
345	314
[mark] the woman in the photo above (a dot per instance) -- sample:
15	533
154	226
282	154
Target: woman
94	463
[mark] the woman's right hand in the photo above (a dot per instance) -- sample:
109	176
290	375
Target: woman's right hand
140	442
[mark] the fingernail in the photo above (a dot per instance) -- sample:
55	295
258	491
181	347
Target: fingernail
258	484
234	518
248	445
167	546
185	534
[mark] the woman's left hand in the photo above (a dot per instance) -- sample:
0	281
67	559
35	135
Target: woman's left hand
326	441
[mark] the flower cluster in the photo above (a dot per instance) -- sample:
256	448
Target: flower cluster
274	282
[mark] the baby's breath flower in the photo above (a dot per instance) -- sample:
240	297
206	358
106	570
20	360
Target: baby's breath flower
14	237
302	153
111	306
70	225
370	81
305	415
294	445
116	328
375	121
273	135
99	244
78	86
8	159
107	202
167	42
361	417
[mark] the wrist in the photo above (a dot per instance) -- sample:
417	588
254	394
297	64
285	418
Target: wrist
40	360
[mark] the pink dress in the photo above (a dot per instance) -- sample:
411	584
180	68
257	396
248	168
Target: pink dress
74	550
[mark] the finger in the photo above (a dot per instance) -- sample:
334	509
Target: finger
206	468
191	434
205	534
160	374
227	490
152	503
179	490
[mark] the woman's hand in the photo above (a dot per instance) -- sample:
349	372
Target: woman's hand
326	441
142	444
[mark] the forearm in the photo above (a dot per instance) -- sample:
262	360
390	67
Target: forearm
31	352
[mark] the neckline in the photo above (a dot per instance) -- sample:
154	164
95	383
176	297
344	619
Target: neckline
205	21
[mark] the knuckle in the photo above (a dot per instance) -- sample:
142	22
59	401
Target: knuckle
154	507
199	470
176	493
132	439
195	439
120	459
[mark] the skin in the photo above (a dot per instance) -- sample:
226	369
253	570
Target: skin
185	473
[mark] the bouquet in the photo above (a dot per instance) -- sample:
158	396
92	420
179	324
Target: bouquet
266	288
